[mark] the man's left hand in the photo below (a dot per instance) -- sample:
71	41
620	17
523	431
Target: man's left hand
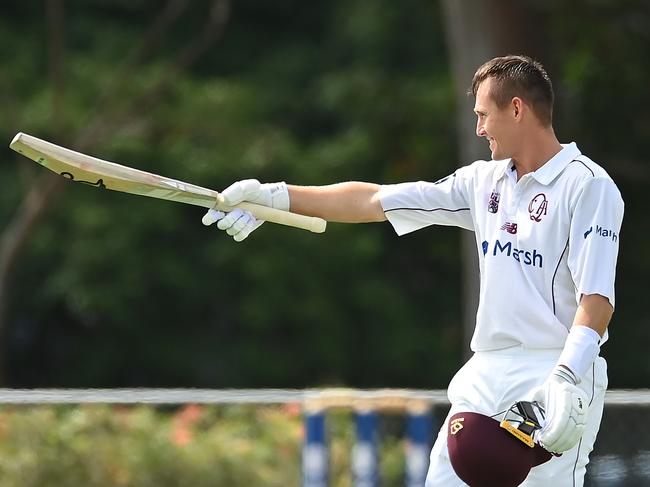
566	408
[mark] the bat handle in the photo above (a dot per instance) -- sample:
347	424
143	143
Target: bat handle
261	212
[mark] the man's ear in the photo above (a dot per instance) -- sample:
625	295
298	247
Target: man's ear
517	107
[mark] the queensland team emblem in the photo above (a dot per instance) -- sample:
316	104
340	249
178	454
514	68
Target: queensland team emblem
493	204
537	207
456	425
509	227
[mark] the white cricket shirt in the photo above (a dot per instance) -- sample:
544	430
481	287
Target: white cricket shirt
542	241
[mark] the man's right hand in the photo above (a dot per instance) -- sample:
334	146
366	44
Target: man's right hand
238	223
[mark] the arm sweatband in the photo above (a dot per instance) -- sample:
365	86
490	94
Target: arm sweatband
580	350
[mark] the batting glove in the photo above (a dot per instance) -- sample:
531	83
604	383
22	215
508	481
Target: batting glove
239	223
566	411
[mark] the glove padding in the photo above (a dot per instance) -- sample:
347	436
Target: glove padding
566	412
239	223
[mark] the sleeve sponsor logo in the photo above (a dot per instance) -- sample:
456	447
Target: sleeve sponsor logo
526	257
602	232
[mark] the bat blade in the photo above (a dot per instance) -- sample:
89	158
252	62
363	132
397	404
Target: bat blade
102	174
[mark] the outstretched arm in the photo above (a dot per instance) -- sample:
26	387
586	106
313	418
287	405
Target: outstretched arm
350	202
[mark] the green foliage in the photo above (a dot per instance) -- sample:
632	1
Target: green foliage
141	294
102	446
118	290
603	67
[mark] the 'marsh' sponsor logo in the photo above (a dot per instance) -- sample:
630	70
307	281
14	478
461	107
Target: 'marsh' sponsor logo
526	257
602	232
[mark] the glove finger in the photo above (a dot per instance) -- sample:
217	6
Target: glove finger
554	431
247	231
231	217
569	437
244	221
241	236
237	192
212	216
554	407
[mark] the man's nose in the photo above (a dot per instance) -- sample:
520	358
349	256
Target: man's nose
480	131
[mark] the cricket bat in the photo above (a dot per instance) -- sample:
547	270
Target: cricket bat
102	174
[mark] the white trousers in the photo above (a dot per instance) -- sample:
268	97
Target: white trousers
491	382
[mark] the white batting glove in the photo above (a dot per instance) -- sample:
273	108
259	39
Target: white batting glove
239	223
566	411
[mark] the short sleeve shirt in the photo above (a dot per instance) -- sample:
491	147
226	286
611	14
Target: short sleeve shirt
543	240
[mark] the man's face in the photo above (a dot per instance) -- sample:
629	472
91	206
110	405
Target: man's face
496	124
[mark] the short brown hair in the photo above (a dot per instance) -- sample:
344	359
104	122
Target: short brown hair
518	76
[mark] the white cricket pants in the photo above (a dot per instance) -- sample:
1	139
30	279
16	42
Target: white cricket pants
491	382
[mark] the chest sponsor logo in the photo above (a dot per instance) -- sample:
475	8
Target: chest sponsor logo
493	204
602	232
538	207
509	227
507	249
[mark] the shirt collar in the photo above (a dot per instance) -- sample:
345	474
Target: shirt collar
551	168
505	167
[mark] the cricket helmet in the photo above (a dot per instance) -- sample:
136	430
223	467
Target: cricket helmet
486	452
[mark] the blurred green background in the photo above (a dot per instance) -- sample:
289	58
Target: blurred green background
197	445
106	289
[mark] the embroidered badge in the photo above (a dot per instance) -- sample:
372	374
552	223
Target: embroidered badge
537	207
493	204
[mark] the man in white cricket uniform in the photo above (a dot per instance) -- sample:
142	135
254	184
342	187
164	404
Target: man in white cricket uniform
547	221
543	241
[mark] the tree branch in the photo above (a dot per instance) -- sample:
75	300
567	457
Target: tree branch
47	186
55	18
211	32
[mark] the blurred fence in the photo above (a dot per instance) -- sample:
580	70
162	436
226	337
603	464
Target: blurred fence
622	453
621	457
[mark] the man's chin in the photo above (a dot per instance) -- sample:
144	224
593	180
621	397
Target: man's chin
499	156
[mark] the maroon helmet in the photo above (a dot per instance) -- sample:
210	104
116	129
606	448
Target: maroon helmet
487	453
